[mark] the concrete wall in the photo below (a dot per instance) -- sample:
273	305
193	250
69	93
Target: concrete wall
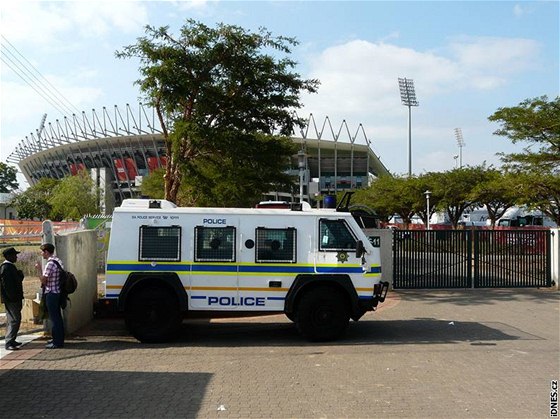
385	237
78	250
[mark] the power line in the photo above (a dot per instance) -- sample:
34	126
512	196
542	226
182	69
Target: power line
48	92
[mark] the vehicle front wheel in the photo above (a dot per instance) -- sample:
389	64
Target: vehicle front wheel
322	314
152	314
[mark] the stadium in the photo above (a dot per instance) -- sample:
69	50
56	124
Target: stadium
119	147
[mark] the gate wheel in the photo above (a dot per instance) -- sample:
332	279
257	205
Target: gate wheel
152	314
322	314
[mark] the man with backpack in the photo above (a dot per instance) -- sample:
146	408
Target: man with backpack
11	291
51	282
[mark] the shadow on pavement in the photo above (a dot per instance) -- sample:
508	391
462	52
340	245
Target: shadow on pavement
237	333
101	394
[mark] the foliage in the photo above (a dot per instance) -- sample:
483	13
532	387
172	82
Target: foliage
8	182
390	195
227	179
536	122
540	191
73	197
153	186
454	190
498	192
213	89
34	201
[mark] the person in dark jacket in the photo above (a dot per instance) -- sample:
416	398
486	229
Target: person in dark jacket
11	290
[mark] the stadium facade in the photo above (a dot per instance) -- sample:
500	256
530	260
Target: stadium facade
120	147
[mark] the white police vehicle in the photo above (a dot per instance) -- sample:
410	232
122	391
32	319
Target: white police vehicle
166	262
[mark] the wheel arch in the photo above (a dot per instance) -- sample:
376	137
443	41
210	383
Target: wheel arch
342	283
169	280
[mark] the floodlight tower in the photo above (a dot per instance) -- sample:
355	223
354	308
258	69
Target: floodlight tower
461	144
408	98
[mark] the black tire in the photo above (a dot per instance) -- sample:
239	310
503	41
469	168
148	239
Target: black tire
152	314
322	314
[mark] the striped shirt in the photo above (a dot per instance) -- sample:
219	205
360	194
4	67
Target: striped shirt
52	273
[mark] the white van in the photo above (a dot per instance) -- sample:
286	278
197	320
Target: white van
165	262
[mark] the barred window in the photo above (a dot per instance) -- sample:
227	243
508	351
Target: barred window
276	245
335	235
214	244
160	243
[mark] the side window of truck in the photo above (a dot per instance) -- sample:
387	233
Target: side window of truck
214	244
160	243
275	245
335	235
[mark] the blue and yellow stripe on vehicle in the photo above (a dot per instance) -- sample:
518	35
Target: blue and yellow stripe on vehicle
124	267
235	269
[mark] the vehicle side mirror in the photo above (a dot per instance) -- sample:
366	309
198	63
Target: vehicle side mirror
360	249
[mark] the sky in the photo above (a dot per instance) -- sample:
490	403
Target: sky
467	59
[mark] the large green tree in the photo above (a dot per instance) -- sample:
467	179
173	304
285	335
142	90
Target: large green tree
497	192
215	91
390	195
540	191
73	197
454	190
8	180
33	203
535	122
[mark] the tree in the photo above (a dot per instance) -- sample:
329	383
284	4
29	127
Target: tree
455	190
153	186
34	201
541	191
73	197
536	122
8	182
237	179
215	90
390	195
498	192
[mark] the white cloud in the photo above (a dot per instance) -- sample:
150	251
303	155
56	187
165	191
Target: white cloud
359	83
361	76
46	22
494	55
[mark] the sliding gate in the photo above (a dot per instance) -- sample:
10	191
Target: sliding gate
471	258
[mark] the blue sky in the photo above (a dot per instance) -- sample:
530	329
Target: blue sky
467	58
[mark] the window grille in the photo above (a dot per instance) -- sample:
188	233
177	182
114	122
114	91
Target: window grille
214	244
276	245
160	243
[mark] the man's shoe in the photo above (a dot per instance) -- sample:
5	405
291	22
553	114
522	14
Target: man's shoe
11	348
52	346
15	343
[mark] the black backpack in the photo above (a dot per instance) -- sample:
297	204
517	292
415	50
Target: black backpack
68	281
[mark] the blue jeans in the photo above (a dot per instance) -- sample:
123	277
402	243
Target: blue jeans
55	316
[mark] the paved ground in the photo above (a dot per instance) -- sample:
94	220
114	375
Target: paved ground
473	353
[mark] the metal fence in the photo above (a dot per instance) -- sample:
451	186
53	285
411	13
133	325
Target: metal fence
471	258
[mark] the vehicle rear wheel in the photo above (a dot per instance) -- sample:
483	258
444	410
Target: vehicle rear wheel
152	314
322	314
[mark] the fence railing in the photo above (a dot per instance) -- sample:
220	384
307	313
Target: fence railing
29	231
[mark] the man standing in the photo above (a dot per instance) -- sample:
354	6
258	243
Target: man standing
11	286
50	280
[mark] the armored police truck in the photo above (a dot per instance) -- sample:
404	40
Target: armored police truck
165	263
